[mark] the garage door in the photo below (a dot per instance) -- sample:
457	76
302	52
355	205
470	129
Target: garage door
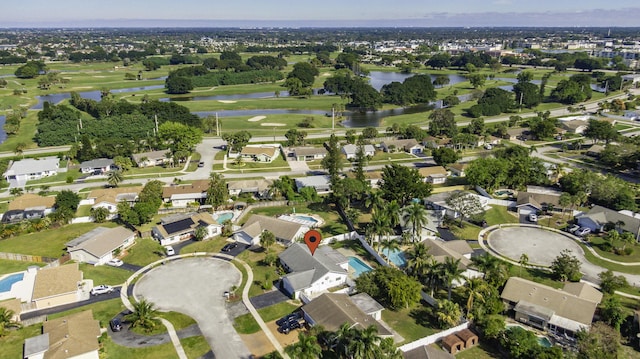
525	211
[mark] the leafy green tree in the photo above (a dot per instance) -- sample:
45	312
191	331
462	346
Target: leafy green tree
419	261
527	94
609	282
305	72
402	184
179	137
99	214
217	193
178	85
612	312
445	156
601	341
492	326
520	343
442	122
67	200
403	291
143	316
236	141
306	347
267	239
566	267
114	177
571	92
441	80
598	130
200	233
440	60
477	80
466	204
448	313
332	162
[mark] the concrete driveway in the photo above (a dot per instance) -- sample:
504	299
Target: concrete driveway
195	287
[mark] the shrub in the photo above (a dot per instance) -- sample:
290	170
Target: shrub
69	179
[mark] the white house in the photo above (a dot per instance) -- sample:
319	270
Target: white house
260	153
74	336
110	197
99	245
257	187
320	183
286	232
97	166
31	169
407	145
182	196
175	228
598	217
152	158
434	174
308	153
351	151
312	274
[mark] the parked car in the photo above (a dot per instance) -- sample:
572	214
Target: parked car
583	231
101	289
533	217
115	262
229	246
200	164
169	250
115	325
573	228
289	326
295	316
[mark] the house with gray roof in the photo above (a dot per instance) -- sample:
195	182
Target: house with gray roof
312	274
598	217
351	151
409	145
308	153
320	183
97	166
98	246
175	228
562	312
19	172
286	232
256	187
152	158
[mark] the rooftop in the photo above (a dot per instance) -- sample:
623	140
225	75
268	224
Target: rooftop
33	165
57	280
100	241
31	201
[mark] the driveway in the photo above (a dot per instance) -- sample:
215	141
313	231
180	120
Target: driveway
268	299
195	287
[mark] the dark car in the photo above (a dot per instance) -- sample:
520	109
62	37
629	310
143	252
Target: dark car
289	326
229	246
115	325
293	317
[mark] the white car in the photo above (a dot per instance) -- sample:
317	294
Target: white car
115	262
101	289
573	228
169	250
533	217
583	231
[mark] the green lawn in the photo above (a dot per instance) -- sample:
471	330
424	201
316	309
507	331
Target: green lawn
608	265
246	324
48	243
405	323
195	347
480	351
163	351
102	311
498	215
104	274
145	251
597	241
213	245
9	266
11	345
254	260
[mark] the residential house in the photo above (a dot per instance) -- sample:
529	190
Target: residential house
351	151
74	336
427	352
575	126
285	231
632	115
176	228
14	305
19	172
308	153
368	305
514	134
98	166
537	199
100	245
320	183
457	250
598	217
595	150
374	178
409	145
152	158
260	153
257	187
57	286
110	197
332	310
433	174
561	312
438	202
312	274
184	195
458	169
28	206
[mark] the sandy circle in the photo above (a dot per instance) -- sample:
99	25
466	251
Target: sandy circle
227	101
541	246
257	118
272	124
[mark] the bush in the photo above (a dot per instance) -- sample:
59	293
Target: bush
69	179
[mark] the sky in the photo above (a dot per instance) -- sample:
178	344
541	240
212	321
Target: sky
259	13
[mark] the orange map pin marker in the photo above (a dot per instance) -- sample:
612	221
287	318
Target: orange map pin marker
312	238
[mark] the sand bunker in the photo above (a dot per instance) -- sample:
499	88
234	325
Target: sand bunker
257	118
272	124
227	101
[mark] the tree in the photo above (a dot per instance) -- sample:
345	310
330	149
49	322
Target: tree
179	137
178	85
452	271
200	233
67	200
217	193
601	341
566	267
600	131
114	177
523	262
390	245
416	215
441	80
520	343
267	239
144	315
477	80
609	282
527	94
448	313
442	123
612	312
466	204
402	184
6	320
99	214
236	141
307	347
474	290
444	156
492	326
295	137
476	126
305	72
418	260
440	60
403	291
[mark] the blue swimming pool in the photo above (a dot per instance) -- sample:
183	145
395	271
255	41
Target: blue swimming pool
396	256
7	282
545	342
358	266
306	218
223	217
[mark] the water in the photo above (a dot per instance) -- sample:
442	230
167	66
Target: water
358	266
396	257
544	342
306	218
223	217
92	95
7	282
377	79
3	135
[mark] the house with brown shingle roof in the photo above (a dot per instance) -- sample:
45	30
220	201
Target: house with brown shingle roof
183	195
98	246
427	352
28	206
110	197
257	187
458	169
57	286
409	145
562	312
72	336
260	153
152	158
285	231
433	174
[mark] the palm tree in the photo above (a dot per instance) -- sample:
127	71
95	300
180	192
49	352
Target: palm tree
418	260
114	177
267	239
495	270
6	320
393	211
390	245
415	214
452	271
374	201
523	262
307	347
365	345
474	289
434	276
144	315
379	225
448	313
564	201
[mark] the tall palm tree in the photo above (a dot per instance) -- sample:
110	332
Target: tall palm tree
564	201
452	271
474	289
495	270
380	225
390	245
448	313
434	276
365	345
523	262
418	260
374	201
114	177
144	315
307	347
6	320
393	211
415	214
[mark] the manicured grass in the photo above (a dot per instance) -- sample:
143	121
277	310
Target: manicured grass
276	311
12	344
467	232
50	242
597	241
104	274
536	275
246	324
246	164
9	266
102	311
145	251
254	260
480	351
498	215
163	351
608	265
405	322
84	210
179	320
195	347
213	245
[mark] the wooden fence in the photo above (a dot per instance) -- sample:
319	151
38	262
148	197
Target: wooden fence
26	258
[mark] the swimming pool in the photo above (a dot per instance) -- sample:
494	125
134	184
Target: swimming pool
7	282
396	256
223	217
545	342
306	218
358	266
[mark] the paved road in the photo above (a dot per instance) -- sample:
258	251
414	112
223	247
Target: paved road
62	308
195	287
128	338
268	299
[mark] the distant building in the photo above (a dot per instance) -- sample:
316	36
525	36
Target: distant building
74	336
257	187
409	145
31	169
308	153
100	245
320	183
152	158
433	174
260	153
97	166
28	206
351	151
